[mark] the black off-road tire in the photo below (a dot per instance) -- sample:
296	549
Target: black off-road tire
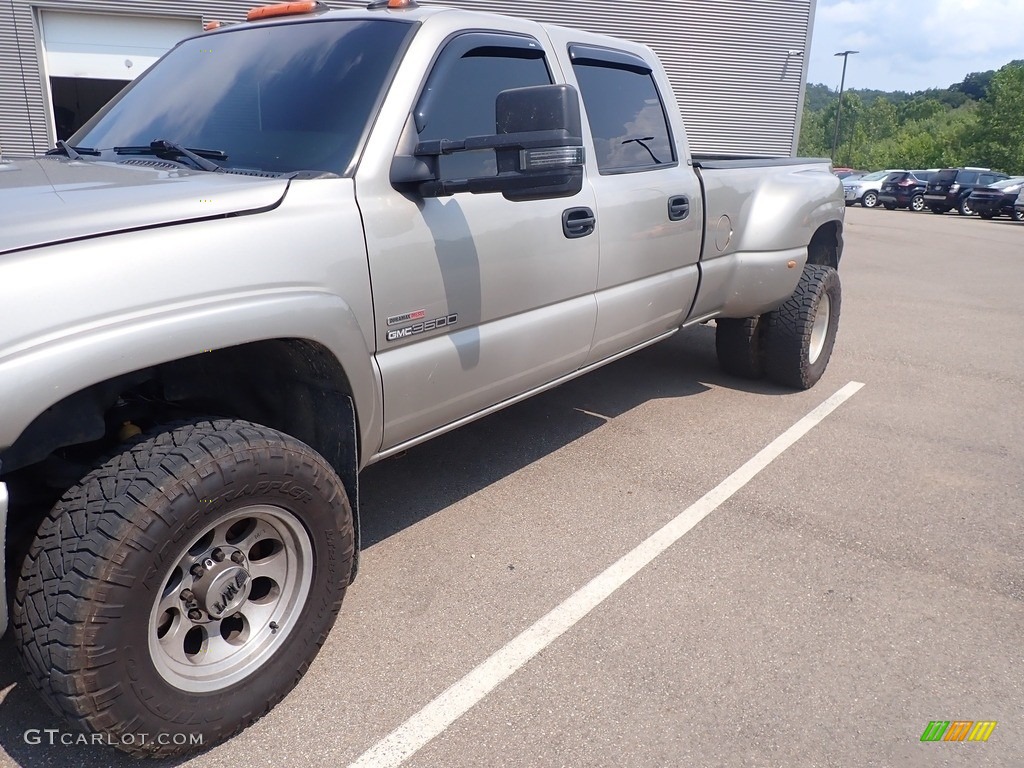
106	558
890	206
738	342
987	215
964	208
791	339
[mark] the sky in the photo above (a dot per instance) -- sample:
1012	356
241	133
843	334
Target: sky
910	45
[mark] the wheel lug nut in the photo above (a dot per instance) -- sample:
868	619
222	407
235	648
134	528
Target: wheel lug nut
218	555
236	557
187	596
197	571
195	615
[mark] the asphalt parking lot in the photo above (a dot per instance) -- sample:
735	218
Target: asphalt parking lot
867	581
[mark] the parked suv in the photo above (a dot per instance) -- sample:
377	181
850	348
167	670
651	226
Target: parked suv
904	189
998	199
864	189
950	188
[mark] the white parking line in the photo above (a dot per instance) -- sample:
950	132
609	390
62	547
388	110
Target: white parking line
431	721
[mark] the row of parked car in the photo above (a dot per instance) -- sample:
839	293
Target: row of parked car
968	191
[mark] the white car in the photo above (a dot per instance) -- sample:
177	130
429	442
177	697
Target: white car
865	189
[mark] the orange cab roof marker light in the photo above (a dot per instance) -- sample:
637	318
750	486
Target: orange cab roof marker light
284	9
394	5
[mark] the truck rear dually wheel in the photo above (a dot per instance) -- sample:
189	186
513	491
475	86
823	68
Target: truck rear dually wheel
738	343
184	587
800	335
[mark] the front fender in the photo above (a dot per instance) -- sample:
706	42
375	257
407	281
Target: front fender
80	313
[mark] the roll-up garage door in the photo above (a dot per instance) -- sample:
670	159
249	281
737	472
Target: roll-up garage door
108	46
91	57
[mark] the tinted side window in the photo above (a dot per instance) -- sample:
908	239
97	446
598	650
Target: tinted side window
626	117
462	99
989	178
968	177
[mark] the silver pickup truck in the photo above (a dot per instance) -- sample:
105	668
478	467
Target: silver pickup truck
300	245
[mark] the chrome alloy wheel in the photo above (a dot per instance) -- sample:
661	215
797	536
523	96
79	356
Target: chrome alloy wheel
231	598
819	331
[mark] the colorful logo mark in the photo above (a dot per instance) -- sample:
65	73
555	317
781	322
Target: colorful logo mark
958	730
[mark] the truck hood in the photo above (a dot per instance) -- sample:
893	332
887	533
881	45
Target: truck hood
51	199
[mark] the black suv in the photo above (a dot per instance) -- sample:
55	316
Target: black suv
904	189
950	188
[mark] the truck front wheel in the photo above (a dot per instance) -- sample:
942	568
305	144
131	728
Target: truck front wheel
179	591
738	343
800	334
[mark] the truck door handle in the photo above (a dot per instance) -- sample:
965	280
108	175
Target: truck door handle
678	208
578	222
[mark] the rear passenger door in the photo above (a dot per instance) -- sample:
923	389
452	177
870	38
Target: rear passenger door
649	204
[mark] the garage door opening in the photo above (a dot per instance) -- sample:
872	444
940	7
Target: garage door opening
90	57
76	99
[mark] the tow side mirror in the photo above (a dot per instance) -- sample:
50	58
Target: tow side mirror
538	146
554	163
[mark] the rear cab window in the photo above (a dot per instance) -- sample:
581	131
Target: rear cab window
625	111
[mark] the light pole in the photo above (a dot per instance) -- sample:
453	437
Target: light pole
839	110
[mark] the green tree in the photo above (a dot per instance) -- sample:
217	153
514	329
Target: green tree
999	141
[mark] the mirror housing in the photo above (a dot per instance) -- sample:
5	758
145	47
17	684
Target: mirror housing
538	146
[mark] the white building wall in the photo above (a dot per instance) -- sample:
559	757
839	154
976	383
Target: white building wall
738	67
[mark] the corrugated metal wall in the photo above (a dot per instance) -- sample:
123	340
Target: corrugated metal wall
737	83
737	66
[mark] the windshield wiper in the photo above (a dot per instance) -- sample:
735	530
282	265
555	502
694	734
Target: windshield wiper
73	153
643	143
163	147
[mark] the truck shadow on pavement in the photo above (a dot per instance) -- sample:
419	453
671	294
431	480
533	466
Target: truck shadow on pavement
398	492
401	491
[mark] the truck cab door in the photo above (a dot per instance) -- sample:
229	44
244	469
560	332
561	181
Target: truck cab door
477	298
649	202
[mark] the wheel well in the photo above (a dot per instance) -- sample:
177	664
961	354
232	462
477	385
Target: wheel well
292	385
826	246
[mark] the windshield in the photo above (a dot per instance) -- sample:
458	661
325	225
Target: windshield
275	98
875	176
